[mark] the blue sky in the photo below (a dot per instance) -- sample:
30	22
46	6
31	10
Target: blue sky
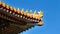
51	14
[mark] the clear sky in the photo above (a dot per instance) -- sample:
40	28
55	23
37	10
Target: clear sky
51	14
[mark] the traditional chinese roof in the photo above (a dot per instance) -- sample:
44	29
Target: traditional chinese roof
20	16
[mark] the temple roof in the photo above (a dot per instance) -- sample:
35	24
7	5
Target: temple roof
20	17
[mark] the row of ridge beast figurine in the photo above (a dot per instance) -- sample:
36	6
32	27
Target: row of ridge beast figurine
38	16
